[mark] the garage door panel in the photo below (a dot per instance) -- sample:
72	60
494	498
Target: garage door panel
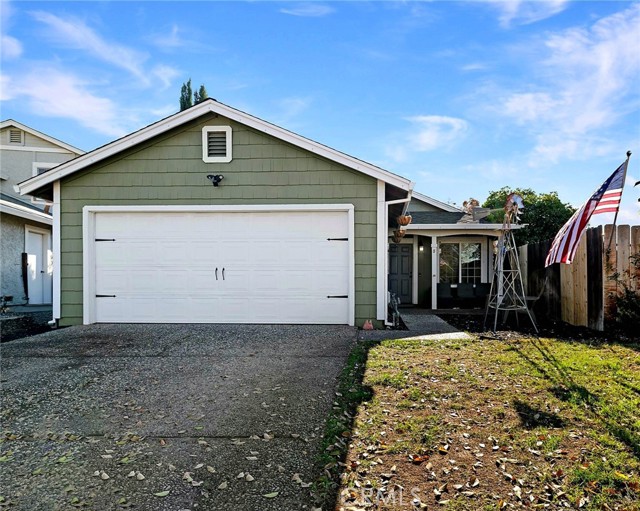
278	267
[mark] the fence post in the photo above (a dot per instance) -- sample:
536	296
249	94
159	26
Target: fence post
608	268
595	279
635	250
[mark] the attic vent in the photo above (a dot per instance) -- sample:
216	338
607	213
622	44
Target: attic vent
15	137
216	144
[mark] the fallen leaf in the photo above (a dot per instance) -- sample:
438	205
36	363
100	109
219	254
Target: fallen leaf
162	493
271	495
210	469
223	485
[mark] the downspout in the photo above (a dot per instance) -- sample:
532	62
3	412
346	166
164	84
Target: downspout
386	253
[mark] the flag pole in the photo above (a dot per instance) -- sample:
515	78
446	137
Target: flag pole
615	218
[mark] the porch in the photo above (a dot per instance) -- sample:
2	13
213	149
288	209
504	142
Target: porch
444	270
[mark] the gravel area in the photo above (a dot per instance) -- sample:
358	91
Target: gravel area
114	416
16	325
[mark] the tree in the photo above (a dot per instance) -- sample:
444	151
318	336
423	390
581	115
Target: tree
200	95
186	100
544	213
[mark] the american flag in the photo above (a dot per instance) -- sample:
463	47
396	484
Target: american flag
605	200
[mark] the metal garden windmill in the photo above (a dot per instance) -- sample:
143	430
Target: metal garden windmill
507	290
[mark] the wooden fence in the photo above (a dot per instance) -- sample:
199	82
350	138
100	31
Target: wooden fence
583	293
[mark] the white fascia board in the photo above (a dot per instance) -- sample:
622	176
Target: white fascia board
34	149
382	248
68	148
57	254
462	227
438	204
219	208
210	106
9	208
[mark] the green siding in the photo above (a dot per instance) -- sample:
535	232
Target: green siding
169	170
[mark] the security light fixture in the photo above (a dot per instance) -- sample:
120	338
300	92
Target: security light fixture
215	179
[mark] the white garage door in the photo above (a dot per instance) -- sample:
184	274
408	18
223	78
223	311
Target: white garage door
222	267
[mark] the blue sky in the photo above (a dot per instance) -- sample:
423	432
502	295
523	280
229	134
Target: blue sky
461	97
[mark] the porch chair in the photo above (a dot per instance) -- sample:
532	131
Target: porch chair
445	296
465	293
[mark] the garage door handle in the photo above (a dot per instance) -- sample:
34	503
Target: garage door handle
216	273
338	296
222	273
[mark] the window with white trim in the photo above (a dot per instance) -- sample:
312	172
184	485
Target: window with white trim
461	261
38	168
216	144
16	137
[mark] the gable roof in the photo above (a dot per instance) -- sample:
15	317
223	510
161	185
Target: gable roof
210	106
436	203
10	122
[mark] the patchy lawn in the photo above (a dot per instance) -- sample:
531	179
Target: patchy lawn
521	422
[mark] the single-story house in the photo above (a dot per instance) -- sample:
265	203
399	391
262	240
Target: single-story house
26	266
213	215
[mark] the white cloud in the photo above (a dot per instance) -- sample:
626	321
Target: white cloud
521	12
293	106
172	40
11	47
76	34
50	92
166	75
474	66
309	9
6	91
588	83
435	131
426	133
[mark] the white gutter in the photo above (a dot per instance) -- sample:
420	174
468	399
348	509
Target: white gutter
10	208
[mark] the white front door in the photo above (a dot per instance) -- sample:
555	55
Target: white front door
39	265
222	267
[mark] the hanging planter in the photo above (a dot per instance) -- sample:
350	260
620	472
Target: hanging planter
404	220
397	236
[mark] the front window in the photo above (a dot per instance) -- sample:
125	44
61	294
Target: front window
460	262
449	262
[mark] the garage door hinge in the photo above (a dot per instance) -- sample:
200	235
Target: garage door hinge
105	296
338	296
337	239
105	239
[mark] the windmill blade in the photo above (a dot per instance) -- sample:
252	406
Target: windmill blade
480	213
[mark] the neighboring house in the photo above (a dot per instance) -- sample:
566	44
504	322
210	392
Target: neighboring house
295	232
444	249
25	222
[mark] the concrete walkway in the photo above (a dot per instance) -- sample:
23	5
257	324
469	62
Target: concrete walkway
421	323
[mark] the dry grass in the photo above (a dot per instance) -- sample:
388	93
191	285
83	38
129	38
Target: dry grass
494	424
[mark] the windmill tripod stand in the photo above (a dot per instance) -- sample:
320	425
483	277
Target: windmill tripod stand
507	290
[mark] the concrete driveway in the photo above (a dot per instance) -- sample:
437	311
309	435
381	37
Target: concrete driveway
167	416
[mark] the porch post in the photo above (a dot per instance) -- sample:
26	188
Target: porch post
414	272
435	259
